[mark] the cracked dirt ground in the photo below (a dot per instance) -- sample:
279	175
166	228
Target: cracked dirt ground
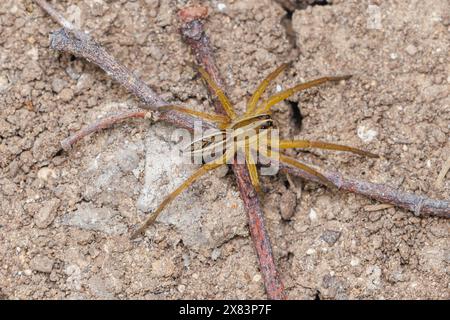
64	217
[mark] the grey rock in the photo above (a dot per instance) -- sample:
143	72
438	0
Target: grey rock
42	264
335	287
215	254
330	236
66	94
98	219
58	85
205	219
374	277
288	203
45	216
101	288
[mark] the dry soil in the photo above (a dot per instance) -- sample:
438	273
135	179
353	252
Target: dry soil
65	217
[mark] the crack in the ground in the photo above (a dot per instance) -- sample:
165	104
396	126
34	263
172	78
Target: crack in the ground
290	6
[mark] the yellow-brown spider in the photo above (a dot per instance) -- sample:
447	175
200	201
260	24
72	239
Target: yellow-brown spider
247	133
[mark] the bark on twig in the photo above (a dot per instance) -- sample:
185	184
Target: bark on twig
194	35
67	41
419	205
101	124
178	119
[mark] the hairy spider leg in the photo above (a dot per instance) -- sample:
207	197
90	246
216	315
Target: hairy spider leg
267	104
251	166
252	102
189	181
219	119
227	106
295	163
305	144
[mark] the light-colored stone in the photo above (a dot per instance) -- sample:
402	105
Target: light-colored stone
46	214
97	219
42	264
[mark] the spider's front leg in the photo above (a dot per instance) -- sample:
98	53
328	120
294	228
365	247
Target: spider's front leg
267	104
227	106
252	102
306	144
250	161
277	156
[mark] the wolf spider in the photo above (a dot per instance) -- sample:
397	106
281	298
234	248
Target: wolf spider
246	133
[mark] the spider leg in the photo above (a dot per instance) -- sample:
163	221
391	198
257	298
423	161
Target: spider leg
293	162
251	166
251	104
228	107
305	144
219	119
154	215
271	101
306	168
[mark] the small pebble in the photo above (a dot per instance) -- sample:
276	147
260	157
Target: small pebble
354	262
221	6
58	85
288	203
411	50
4	83
45	173
312	215
66	95
366	134
42	264
215	254
221	171
46	214
330	236
256	277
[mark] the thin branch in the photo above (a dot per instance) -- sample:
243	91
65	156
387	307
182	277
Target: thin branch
194	35
178	119
419	205
67	41
101	124
59	18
